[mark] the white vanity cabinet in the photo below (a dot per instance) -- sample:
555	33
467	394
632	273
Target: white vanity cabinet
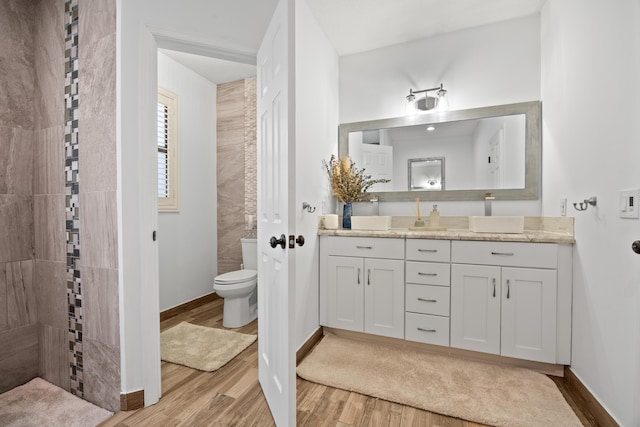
427	291
362	284
504	298
511	299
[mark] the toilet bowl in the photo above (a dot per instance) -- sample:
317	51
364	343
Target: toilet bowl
239	289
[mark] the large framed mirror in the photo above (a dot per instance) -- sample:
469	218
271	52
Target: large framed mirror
487	150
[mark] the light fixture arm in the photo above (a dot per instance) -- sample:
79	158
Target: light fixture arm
413	92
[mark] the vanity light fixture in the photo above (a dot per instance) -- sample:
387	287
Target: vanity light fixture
437	102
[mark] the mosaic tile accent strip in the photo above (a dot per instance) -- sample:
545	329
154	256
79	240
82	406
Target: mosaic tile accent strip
250	158
72	194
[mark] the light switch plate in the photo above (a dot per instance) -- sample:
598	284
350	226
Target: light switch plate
629	200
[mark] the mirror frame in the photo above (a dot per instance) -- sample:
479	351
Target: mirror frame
533	143
410	163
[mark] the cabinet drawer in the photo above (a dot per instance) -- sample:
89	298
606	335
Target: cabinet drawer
540	255
428	273
368	247
427	329
427	299
428	250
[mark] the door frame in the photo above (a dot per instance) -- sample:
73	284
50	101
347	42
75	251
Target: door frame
138	217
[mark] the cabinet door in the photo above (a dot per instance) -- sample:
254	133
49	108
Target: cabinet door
529	314
384	297
345	293
475	307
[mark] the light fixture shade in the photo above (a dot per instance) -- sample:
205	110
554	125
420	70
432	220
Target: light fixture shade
443	101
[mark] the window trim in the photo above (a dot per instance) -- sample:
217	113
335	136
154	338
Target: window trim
172	101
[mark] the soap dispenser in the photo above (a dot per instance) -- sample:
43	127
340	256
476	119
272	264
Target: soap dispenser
434	217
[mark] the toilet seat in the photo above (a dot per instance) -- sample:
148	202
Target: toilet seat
235	277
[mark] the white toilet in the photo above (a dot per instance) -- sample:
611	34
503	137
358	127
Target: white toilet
239	288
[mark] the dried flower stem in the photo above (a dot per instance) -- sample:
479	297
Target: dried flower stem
347	182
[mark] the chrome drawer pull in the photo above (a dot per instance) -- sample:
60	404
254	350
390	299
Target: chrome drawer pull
364	247
427	300
502	253
428	250
426	330
358	276
427	274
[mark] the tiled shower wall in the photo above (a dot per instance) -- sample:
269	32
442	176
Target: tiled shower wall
18	317
78	334
236	169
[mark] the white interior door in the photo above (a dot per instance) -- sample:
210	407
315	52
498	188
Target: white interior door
276	185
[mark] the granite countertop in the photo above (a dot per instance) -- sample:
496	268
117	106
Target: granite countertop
537	230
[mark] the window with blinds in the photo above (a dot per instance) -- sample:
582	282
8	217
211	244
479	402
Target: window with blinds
168	151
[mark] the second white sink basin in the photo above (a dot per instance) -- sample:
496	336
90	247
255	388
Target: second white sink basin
361	222
496	224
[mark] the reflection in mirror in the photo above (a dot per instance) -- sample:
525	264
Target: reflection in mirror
426	174
493	149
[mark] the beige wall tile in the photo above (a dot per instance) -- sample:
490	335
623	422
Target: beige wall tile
50	231
49	161
97	68
49	31
16	161
18	356
54	355
100	303
16	228
16	63
97	19
21	300
97	153
50	285
99	230
49	93
101	374
97	132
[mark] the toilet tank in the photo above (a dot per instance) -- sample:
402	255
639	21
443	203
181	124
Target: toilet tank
250	253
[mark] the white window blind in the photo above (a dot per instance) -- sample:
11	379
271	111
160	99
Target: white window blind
163	150
168	151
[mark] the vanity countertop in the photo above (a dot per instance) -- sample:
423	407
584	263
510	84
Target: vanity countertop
536	230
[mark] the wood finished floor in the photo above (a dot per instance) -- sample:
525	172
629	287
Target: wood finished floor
232	395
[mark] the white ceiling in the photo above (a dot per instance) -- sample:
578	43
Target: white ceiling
213	69
354	26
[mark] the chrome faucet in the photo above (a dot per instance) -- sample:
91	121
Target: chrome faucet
488	197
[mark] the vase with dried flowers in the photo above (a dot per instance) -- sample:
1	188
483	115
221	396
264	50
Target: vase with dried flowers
348	183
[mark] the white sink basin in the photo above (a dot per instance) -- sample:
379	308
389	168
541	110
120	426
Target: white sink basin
496	224
361	222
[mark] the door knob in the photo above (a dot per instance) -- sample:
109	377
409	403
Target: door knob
282	241
300	240
636	246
